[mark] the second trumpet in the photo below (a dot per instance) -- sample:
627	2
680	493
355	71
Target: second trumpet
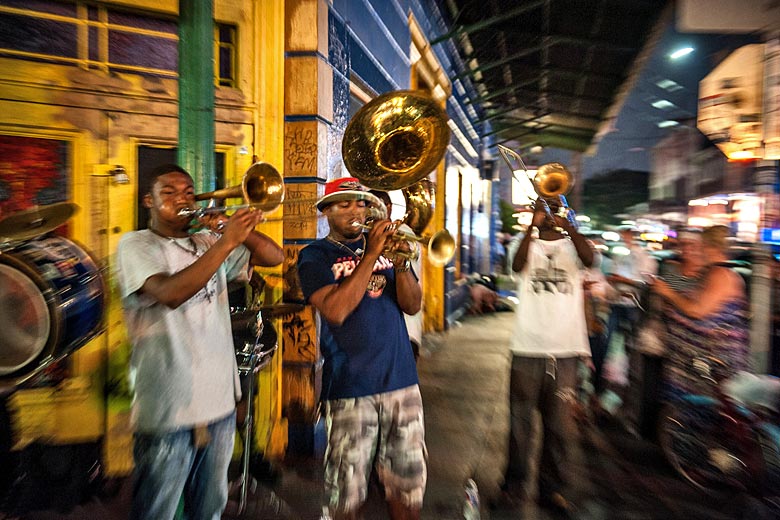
441	245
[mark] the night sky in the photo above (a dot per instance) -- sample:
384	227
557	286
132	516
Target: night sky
628	145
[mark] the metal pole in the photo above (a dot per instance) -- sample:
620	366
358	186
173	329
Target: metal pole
762	279
196	92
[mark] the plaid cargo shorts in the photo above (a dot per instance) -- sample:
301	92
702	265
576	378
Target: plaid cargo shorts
386	429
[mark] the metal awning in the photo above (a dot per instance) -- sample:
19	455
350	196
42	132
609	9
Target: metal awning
550	72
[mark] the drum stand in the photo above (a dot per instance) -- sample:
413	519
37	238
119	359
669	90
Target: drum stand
247	437
274	502
252	356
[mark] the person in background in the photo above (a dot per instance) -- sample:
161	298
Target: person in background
709	321
597	290
550	339
482	299
413	322
628	273
173	286
683	273
372	403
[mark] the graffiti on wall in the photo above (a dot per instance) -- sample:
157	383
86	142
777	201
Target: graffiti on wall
292	285
300	212
300	336
300	149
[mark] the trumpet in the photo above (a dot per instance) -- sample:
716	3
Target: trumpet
262	187
440	245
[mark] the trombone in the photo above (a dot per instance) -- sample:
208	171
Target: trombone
551	181
262	187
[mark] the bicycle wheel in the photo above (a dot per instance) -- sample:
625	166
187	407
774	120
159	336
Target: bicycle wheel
693	440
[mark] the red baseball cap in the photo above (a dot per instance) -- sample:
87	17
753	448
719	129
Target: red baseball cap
345	188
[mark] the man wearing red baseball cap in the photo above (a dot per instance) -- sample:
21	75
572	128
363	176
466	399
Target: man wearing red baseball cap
373	407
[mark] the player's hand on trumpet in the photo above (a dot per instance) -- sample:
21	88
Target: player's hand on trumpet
378	236
237	228
399	250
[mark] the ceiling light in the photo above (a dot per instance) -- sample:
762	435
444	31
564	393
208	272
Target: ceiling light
662	104
669	85
742	155
679	53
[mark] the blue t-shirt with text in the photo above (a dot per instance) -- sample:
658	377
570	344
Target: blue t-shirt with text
370	352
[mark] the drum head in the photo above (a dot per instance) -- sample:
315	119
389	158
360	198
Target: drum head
25	320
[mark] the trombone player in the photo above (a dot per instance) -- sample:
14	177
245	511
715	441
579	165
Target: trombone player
173	286
373	408
550	338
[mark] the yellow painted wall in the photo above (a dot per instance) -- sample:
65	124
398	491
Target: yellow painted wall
427	74
106	118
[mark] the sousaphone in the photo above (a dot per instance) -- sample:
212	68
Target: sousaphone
395	140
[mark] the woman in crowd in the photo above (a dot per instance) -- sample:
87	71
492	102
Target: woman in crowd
708	320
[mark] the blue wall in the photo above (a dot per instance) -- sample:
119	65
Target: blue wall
369	40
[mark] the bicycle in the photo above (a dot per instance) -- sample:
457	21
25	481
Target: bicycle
718	442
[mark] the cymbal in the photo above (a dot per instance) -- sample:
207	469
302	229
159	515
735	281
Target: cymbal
280	309
273	310
36	221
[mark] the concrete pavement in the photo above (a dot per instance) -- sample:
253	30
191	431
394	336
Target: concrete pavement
464	382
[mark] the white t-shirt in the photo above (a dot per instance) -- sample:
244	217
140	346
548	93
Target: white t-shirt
414	321
183	363
550	314
635	266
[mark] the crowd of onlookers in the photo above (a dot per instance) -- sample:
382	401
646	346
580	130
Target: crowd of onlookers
670	301
598	323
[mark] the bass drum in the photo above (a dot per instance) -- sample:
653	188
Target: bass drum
51	303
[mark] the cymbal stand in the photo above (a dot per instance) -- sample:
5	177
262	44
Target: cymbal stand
247	435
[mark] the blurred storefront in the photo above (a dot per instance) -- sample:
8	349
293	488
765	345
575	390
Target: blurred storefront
741	212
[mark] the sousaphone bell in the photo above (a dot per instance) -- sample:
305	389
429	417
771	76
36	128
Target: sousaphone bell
393	142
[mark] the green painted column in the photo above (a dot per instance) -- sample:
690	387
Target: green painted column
196	91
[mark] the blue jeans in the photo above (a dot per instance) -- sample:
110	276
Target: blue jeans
623	318
168	466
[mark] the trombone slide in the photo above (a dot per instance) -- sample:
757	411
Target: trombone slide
199	212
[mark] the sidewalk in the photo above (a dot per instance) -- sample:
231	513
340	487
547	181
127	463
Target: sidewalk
464	382
463	379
